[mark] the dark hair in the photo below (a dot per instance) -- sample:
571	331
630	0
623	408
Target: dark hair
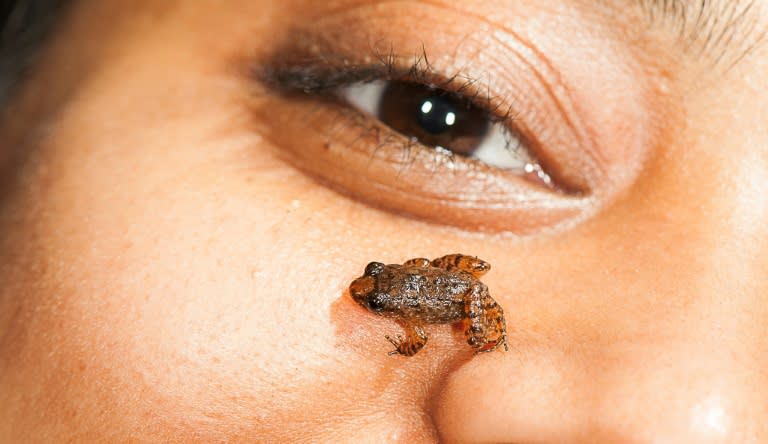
24	26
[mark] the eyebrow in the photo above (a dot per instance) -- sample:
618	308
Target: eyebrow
725	30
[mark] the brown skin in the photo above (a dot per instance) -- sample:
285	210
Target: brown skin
173	271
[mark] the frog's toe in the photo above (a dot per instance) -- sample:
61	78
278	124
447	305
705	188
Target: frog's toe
488	347
396	342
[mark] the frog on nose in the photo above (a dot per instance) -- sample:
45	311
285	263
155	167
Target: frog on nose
445	290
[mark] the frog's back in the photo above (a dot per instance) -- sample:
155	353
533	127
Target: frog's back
429	295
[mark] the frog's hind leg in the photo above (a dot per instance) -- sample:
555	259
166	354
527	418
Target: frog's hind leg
485	326
472	265
415	340
419	262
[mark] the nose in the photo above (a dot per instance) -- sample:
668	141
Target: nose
695	375
649	329
684	392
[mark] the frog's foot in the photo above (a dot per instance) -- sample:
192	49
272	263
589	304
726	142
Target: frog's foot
484	326
470	264
419	262
492	345
415	340
483	344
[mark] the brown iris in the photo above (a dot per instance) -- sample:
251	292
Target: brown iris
434	117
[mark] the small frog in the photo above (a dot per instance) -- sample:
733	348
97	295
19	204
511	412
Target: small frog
444	290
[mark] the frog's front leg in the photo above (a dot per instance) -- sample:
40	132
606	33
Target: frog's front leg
472	265
415	340
485	326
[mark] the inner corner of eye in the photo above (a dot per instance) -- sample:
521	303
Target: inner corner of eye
364	96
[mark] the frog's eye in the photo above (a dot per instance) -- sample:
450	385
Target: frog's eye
374	268
377	302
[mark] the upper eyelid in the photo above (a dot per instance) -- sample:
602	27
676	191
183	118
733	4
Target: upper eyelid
324	76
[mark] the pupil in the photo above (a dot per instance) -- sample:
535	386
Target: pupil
436	115
433	117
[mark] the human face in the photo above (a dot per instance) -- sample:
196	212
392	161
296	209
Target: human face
191	187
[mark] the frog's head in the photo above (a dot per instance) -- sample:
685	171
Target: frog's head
476	266
363	289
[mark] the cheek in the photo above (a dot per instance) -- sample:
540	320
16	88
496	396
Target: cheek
204	294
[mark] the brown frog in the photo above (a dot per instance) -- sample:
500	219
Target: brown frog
444	290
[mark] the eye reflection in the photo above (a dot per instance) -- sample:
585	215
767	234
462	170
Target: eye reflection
446	122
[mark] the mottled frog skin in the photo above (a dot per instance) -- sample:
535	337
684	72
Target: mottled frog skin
442	291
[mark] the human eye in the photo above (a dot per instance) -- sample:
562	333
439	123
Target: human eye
445	128
448	123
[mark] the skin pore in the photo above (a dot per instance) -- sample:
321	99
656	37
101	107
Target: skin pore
186	199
